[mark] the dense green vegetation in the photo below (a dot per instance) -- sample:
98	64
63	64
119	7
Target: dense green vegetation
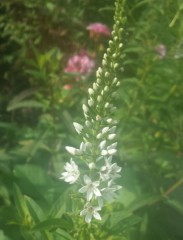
39	100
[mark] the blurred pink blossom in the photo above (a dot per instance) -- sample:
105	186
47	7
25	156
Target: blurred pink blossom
161	50
98	29
80	63
67	86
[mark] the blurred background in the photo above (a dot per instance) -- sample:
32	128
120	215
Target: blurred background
49	53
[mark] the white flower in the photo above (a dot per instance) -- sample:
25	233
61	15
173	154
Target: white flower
72	172
90	212
108	193
91	188
110	170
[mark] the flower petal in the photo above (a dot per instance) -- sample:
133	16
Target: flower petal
97	216
89	195
88	217
83	189
87	180
97	192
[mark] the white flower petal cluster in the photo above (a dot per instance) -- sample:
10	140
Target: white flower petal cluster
91	188
110	170
98	145
72	172
89	211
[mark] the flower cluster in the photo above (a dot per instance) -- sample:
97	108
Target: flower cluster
98	132
98	29
80	63
161	50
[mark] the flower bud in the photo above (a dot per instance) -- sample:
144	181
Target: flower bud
116	65
104	152
106	88
85	108
88	123
109	120
112	151
107	74
115	80
99	98
99	135
95	86
73	151
106	105
105	129
92	165
102	144
90	91
111	136
99	72
90	102
78	127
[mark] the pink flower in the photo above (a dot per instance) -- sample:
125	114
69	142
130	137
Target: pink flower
98	29
67	86
161	50
80	63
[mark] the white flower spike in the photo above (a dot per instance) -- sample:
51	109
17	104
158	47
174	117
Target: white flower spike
97	146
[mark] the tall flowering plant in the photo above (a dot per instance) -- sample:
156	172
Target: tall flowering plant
97	179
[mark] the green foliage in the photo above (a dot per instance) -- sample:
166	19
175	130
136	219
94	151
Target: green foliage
36	115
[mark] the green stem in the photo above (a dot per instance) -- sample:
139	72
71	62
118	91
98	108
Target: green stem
176	16
173	187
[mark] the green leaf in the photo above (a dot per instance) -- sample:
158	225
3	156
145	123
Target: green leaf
135	205
4	156
36	211
19	102
21	206
34	174
58	207
64	234
2	236
52	223
5	194
24	104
